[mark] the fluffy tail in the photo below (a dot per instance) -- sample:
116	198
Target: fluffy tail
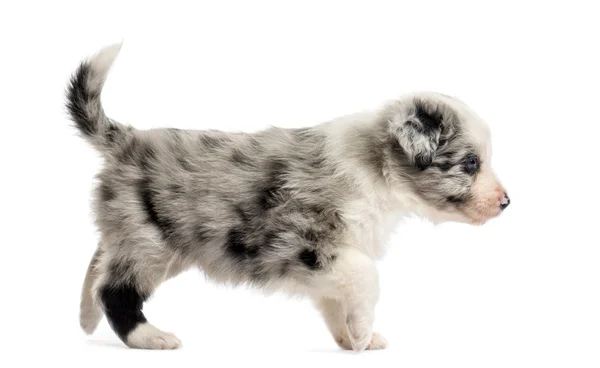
83	100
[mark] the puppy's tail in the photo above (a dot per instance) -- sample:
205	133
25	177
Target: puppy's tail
83	101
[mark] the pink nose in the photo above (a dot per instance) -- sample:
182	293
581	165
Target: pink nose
504	202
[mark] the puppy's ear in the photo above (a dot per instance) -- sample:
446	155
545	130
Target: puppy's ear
418	128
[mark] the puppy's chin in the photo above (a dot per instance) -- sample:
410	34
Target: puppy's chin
438	217
475	219
479	215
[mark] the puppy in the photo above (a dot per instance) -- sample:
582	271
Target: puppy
305	211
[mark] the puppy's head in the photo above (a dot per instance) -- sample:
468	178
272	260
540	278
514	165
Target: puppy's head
442	150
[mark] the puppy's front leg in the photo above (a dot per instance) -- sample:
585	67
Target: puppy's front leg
349	293
335	317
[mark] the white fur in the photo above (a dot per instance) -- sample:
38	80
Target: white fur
347	296
146	336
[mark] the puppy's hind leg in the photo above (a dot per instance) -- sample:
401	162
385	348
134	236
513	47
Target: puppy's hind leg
90	312
126	285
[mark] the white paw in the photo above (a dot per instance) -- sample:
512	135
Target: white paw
146	336
343	342
377	342
359	331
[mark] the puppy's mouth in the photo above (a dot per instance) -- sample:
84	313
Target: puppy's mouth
480	213
480	221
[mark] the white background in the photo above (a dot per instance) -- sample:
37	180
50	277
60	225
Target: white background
522	291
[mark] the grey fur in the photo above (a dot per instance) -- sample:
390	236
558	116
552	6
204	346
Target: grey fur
91	313
264	209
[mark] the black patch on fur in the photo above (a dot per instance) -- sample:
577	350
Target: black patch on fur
456	199
252	252
271	192
430	122
123	308
78	97
148	200
317	210
309	258
237	246
106	193
445	166
422	162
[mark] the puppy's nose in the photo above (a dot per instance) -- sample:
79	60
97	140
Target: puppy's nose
505	202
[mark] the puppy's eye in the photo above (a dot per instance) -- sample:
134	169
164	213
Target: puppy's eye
472	164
